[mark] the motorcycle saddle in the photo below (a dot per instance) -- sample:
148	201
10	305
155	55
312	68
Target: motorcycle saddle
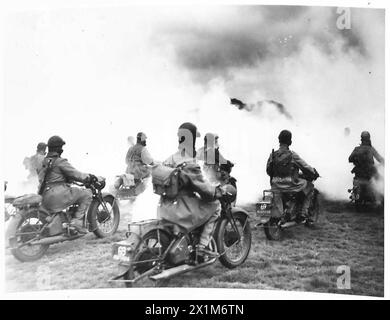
27	200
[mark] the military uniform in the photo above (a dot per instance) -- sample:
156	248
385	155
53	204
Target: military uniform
212	160
137	159
36	162
291	182
57	193
195	205
363	159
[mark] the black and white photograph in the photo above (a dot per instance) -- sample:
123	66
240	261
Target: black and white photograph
206	146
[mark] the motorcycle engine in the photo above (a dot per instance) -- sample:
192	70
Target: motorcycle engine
179	251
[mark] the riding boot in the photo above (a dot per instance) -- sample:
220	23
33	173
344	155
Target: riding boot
78	225
77	221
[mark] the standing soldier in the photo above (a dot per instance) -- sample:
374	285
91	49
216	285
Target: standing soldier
34	163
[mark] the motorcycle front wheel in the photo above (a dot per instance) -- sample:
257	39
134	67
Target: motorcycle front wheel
104	218
234	247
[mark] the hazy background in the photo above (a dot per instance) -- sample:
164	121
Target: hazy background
96	76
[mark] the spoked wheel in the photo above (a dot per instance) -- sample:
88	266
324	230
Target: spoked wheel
148	260
272	229
28	228
104	217
234	247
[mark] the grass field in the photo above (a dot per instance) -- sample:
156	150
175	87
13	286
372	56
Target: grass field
305	260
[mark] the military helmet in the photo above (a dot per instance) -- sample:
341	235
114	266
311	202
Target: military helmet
285	137
55	141
141	136
365	135
191	127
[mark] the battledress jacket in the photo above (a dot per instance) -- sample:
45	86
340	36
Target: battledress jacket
58	194
291	183
137	159
196	202
367	169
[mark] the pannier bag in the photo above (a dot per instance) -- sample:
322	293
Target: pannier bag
165	181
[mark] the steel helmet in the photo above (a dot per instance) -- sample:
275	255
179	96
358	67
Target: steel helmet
141	136
365	135
285	137
55	141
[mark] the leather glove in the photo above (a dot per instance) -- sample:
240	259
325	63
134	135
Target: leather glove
90	178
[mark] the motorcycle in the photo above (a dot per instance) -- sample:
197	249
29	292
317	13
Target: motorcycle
32	229
156	250
274	223
127	188
363	196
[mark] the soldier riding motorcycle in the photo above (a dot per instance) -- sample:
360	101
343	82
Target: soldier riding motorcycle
363	193
134	182
216	168
292	199
197	224
57	212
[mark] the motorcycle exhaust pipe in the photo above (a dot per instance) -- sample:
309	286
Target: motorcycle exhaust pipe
55	239
180	269
288	224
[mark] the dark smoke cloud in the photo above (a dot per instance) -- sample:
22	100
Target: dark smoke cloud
260	106
249	35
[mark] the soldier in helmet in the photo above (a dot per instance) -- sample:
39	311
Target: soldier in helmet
363	158
138	158
283	167
54	179
196	205
34	163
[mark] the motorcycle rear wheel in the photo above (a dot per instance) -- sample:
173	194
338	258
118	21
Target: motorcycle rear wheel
272	230
31	223
314	210
228	241
152	245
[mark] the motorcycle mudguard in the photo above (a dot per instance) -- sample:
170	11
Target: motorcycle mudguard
12	226
14	220
240	210
104	195
122	251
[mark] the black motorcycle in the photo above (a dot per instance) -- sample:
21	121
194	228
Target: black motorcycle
32	229
156	250
274	223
